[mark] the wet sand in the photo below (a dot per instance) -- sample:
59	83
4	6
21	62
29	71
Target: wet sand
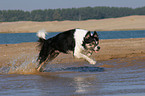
110	49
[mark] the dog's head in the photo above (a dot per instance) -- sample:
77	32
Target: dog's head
91	42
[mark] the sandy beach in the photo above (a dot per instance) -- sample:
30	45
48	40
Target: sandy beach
123	23
110	49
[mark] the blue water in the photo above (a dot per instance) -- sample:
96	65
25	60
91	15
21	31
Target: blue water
12	38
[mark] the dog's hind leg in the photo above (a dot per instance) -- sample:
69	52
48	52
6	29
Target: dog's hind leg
49	58
54	55
38	69
40	66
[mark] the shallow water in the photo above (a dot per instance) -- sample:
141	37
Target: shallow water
12	38
122	77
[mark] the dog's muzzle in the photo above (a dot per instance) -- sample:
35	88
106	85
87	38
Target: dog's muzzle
96	49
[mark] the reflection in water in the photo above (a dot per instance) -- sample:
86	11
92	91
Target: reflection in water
68	86
125	78
83	85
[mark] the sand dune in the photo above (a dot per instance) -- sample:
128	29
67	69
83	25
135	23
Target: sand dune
124	23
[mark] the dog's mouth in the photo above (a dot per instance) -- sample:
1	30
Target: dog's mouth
96	49
93	47
91	50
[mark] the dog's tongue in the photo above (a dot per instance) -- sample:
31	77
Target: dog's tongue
96	51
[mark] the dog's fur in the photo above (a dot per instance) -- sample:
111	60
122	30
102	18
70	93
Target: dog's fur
76	40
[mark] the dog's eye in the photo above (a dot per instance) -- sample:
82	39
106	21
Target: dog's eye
90	44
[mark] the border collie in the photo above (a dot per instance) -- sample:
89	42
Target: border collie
76	40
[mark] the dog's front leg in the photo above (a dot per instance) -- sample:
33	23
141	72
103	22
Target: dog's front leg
80	55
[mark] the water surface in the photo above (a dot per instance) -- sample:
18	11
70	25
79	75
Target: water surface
124	77
12	38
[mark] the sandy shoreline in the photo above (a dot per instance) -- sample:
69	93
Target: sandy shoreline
136	22
110	49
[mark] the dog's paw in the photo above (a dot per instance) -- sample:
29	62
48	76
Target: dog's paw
89	54
92	62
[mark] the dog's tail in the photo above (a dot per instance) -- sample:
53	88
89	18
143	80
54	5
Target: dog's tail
41	35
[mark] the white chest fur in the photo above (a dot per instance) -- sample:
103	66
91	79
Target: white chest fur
79	37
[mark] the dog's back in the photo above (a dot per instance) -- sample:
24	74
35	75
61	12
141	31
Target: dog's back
63	42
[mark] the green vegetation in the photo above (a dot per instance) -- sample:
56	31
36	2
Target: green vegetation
84	13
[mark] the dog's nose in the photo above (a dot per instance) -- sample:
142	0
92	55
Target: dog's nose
98	47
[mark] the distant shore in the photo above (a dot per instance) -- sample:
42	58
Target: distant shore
136	22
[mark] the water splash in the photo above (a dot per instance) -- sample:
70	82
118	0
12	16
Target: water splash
20	65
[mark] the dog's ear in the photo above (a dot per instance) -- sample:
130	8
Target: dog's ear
88	35
95	34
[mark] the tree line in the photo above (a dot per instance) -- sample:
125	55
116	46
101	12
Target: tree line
74	14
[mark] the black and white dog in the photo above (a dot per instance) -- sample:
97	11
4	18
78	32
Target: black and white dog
76	40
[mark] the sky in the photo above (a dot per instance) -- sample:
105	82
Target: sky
29	5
